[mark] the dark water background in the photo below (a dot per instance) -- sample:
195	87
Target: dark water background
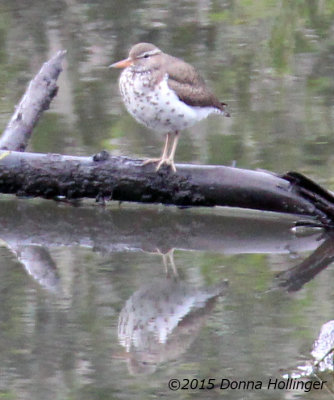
87	309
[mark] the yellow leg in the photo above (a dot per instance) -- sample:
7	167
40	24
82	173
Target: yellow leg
170	159
165	151
163	155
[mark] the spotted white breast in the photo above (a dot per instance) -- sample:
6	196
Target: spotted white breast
158	107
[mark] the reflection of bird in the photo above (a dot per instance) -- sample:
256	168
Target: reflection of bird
165	94
161	319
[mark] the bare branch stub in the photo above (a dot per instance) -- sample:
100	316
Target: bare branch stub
37	98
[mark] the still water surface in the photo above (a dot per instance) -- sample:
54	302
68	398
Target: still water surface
90	306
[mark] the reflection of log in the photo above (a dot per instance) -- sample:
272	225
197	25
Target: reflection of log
120	178
295	278
117	229
37	98
38	263
27	225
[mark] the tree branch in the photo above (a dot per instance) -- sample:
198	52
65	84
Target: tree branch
39	94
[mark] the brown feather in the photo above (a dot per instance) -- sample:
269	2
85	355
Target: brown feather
189	85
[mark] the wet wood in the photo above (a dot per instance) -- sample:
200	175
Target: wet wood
37	98
124	179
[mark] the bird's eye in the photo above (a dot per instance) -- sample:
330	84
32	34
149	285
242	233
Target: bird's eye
146	55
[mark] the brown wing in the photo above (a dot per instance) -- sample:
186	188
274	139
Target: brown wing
190	86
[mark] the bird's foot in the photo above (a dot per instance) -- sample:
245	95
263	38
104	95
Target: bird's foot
151	161
160	161
167	161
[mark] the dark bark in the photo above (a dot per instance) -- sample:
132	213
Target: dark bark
37	98
124	179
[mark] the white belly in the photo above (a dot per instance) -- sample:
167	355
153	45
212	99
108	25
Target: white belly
159	109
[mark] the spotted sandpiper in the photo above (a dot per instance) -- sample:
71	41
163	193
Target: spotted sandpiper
165	94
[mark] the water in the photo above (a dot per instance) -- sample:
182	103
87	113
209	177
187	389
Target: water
90	308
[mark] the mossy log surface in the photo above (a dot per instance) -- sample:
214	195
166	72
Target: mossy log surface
119	178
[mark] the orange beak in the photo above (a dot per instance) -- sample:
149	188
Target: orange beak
122	64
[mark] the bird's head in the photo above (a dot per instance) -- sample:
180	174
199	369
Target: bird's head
141	55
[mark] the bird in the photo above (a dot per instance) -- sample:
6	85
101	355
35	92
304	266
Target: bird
165	94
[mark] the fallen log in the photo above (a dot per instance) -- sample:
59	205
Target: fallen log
124	179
